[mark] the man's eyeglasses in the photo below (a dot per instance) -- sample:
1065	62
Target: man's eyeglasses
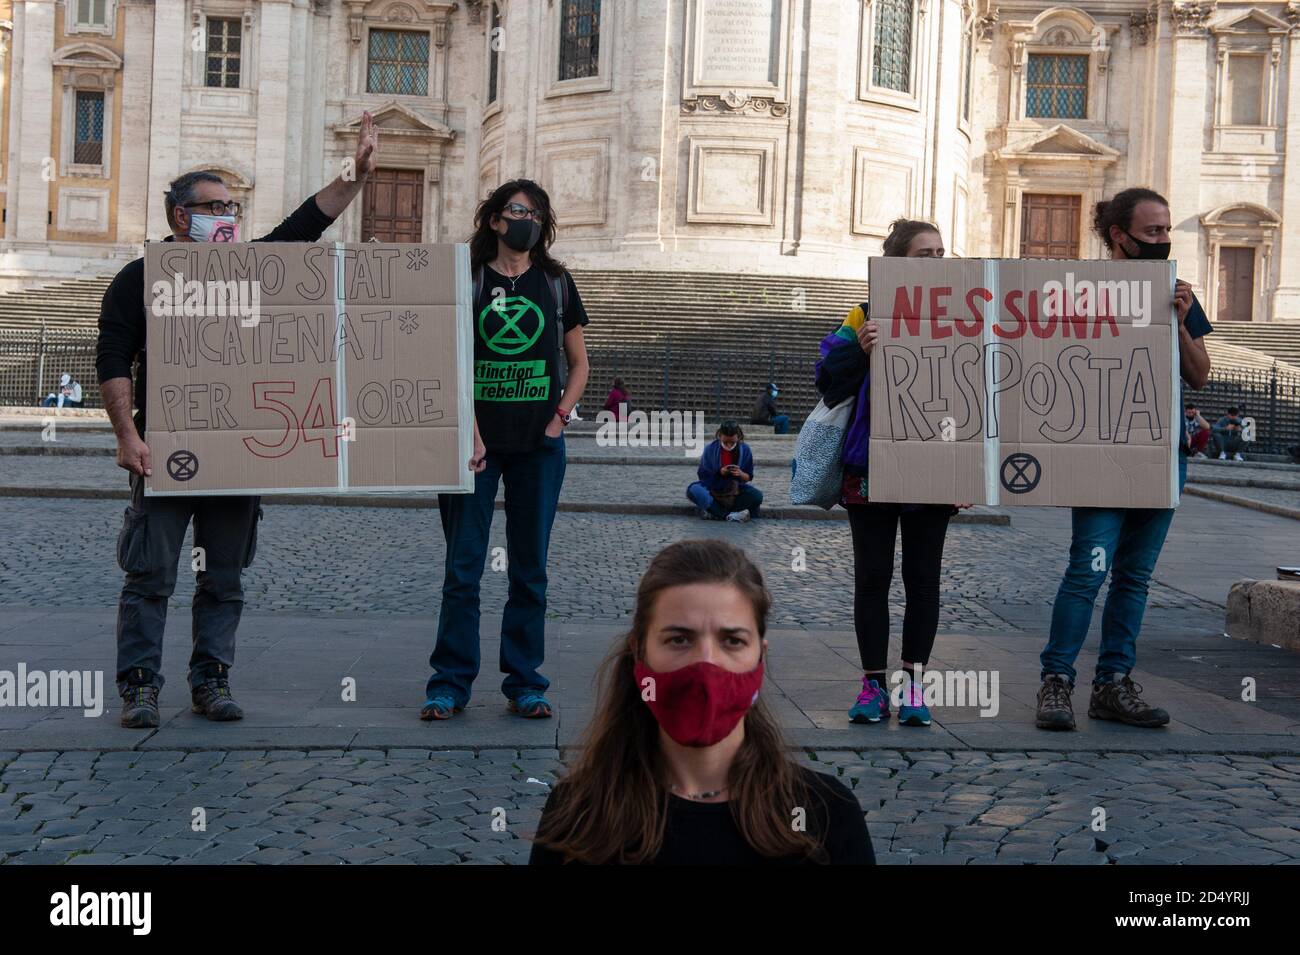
217	207
519	211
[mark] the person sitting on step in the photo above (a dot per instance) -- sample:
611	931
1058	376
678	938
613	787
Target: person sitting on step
724	490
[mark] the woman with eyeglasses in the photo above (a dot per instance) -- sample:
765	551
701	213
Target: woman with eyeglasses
528	320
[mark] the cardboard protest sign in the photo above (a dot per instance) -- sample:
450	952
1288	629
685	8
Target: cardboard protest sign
1010	381
327	367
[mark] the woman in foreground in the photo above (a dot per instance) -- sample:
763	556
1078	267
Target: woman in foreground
683	763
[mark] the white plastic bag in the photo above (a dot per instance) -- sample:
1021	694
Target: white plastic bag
818	455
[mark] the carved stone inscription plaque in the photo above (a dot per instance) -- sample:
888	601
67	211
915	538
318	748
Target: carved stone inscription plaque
736	42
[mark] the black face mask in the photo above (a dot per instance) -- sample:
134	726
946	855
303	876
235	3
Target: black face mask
521	234
1149	250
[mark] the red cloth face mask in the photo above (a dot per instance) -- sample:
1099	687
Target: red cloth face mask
698	705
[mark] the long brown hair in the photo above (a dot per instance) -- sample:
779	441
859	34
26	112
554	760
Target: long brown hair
1118	210
483	243
612	806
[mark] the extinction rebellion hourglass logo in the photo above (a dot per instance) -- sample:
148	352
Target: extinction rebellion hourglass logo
510	326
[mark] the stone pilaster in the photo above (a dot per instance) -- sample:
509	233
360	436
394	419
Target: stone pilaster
271	203
135	133
169	34
1286	297
1190	88
30	134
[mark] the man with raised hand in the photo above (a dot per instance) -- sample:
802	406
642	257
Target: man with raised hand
199	209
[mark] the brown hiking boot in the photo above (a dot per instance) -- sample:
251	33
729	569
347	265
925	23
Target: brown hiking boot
212	699
1054	709
1119	700
140	706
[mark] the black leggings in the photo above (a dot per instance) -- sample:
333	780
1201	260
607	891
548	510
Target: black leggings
875	527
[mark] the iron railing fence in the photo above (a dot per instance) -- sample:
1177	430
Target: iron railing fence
721	384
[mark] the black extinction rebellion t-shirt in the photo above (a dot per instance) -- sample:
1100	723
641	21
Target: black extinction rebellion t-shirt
517	357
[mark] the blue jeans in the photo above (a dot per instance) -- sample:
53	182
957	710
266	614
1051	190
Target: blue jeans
781	423
532	480
748	499
1130	540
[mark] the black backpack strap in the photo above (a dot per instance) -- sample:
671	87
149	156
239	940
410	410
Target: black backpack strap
560	292
478	288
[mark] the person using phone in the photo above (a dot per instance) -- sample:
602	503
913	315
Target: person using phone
69	395
1198	430
1228	431
725	490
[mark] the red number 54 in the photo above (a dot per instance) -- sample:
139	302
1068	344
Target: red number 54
319	423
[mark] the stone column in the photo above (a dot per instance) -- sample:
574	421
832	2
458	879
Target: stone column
170	36
1190	89
297	38
7	79
648	163
133	136
274	54
1286	297
815	193
30	136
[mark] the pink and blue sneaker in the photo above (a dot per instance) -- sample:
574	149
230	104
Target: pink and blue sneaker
872	705
913	711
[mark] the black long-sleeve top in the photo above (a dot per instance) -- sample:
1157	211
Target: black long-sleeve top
120	349
699	833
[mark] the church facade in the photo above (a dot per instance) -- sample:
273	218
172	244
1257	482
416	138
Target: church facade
739	136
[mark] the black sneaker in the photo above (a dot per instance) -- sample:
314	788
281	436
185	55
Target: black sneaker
140	706
1119	700
1054	709
212	699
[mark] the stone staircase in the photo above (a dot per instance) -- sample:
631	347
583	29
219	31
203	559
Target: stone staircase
1280	340
680	340
65	306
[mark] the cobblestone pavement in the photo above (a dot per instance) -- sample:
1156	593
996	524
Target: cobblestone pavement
387	560
356	806
417	807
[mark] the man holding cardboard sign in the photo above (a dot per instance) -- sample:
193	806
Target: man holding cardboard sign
1126	542
199	209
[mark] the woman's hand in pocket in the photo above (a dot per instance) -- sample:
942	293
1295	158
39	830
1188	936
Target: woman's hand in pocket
555	428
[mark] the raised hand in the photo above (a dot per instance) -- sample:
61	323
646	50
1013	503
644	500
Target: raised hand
367	147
